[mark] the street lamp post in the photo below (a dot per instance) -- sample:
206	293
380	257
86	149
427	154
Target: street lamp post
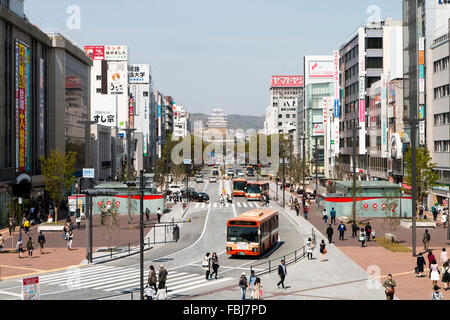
141	234
187	162
304	163
354	171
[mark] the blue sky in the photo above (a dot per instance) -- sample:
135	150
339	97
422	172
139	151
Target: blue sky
209	53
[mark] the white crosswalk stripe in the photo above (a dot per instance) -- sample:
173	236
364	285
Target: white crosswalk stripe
111	278
244	204
238	204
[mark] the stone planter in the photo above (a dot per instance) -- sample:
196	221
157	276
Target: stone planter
419	224
50	228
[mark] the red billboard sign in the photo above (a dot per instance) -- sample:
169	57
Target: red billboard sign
95	52
287	81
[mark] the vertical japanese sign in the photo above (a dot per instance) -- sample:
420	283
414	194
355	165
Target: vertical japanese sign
117	77
41	107
22	109
30	288
362	90
384	129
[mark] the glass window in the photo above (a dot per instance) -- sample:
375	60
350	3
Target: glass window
242	234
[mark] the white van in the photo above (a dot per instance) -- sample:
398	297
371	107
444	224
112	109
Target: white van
174	188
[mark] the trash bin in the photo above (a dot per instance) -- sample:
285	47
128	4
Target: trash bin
176	232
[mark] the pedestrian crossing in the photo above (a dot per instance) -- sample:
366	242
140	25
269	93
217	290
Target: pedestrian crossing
116	279
201	205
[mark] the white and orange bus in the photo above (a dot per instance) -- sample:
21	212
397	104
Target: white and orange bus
256	189
252	233
239	186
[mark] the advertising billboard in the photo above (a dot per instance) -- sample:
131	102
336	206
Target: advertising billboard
112	53
22	100
117	78
318	129
362	89
321	69
139	73
95	52
287	81
41	106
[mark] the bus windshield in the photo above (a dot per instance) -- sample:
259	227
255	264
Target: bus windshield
242	234
239	185
253	189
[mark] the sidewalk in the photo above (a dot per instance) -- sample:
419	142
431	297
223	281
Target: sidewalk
58	257
376	258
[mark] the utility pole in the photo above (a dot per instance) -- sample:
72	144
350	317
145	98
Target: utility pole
303	162
413	122
187	162
141	234
354	171
87	141
284	182
129	130
316	160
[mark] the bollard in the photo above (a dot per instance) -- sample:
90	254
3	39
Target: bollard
296	255
131	295
269	266
128	248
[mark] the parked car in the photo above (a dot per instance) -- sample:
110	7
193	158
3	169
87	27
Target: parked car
212	179
199	179
202	197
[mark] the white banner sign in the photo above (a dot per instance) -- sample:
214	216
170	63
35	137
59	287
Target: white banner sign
117	78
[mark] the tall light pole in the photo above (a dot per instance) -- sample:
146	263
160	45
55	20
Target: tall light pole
187	162
316	156
303	162
141	234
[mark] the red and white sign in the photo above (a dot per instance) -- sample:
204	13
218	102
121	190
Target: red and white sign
30	288
321	69
365	205
118	203
95	52
375	206
383	205
287	81
336	75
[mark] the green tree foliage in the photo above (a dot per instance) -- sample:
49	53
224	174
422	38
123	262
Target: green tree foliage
58	170
426	176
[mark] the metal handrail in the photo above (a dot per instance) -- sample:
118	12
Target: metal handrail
297	255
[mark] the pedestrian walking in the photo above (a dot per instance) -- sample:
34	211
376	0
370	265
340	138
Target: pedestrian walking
444	256
434	272
309	248
342	228
362	236
257	292
333	216
30	247
215	265
390	285
421	208
420	265
26	226
152	278
329	233
297	208
162	277
282	271
19	247
206	264
368	230
158	215
373	234
251	281
426	240
69	239
354	229
243	284
78	219
2	243
324	216
444	219
434	211
431	257
322	250
305	211
41	241
11	226
436	294
446	275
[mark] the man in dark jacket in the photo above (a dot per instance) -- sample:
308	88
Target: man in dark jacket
282	271
368	231
162	277
354	230
329	233
341	229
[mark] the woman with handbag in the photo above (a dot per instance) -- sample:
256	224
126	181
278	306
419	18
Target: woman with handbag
390	285
257	292
206	265
323	251
215	265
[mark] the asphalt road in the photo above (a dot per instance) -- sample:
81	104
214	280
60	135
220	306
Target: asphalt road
206	233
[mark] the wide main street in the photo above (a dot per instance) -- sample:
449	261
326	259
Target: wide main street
205	233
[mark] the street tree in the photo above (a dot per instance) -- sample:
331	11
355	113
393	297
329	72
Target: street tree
426	176
58	170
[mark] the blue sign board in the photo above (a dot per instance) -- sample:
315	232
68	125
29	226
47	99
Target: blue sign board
336	108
